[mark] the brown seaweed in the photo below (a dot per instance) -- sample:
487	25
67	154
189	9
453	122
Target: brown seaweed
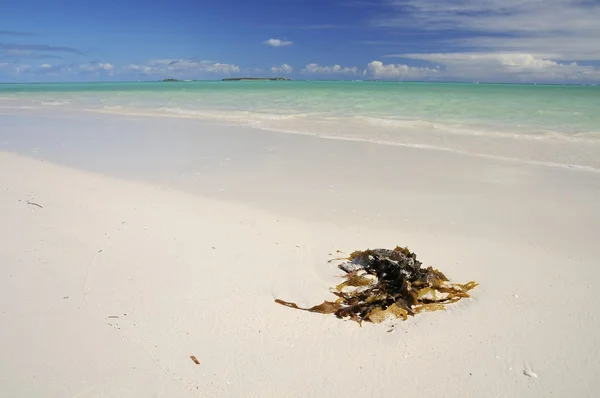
327	307
382	283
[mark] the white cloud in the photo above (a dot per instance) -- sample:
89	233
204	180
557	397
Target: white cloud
506	67
97	68
191	65
505	40
26	69
285	69
379	70
335	69
221	68
278	43
46	69
375	70
183	67
555	29
139	68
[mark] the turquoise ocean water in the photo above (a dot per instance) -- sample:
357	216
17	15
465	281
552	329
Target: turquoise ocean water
541	123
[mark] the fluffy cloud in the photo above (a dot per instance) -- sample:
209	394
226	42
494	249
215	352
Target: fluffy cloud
378	70
139	68
179	68
327	70
503	40
183	67
507	67
53	70
46	69
97	68
222	68
499	67
285	69
278	43
12	68
375	70
554	29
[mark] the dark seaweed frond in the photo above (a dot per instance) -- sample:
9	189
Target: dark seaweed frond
383	283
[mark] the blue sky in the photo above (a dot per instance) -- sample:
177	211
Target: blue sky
467	40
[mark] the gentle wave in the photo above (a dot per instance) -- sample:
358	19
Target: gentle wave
397	125
17	107
242	116
55	103
471	130
569	166
576	153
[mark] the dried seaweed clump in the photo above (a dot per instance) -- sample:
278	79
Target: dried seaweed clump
383	283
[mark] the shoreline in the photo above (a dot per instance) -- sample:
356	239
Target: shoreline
512	148
366	140
232	163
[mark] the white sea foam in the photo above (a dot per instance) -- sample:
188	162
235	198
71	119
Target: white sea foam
477	130
244	117
17	107
541	148
55	103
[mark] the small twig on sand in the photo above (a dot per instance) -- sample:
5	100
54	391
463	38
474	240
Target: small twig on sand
196	361
34	204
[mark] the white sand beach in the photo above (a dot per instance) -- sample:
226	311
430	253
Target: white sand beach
130	244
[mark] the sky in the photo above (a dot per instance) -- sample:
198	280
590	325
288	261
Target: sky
553	41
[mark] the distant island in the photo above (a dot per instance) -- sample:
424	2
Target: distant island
237	79
170	80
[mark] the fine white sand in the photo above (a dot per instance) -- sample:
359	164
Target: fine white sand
161	239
